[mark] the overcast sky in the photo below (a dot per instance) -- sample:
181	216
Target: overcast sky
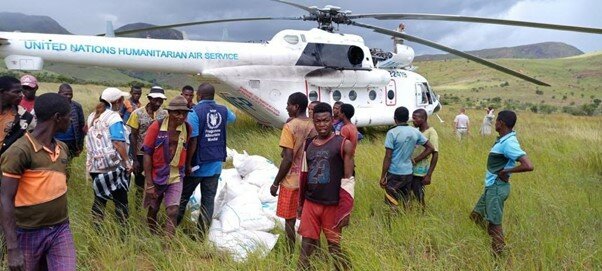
89	17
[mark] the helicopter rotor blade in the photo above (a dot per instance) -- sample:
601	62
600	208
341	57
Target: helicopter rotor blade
121	33
458	18
451	51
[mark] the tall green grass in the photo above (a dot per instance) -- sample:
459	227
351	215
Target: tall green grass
552	219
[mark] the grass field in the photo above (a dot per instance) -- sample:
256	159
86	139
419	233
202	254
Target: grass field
573	80
552	219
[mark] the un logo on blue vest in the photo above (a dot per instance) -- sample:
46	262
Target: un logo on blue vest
214	120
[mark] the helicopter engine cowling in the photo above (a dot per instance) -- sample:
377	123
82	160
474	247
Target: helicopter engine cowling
403	58
328	77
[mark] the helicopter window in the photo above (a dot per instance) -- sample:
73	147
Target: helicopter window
313	96
391	94
425	96
336	95
303	38
352	95
372	95
292	39
331	55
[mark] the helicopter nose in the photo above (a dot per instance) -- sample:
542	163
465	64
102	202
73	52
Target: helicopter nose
437	108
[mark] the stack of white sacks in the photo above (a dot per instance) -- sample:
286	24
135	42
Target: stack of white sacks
245	211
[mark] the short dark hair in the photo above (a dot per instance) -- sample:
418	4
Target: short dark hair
65	86
7	82
402	114
188	87
507	117
206	91
322	108
348	110
135	87
49	104
421	112
298	99
314	102
338	103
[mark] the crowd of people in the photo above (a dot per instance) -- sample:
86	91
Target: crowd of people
171	151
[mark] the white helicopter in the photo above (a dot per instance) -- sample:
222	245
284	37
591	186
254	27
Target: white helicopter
257	78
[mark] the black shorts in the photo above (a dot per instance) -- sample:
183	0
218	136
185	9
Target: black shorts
418	188
398	188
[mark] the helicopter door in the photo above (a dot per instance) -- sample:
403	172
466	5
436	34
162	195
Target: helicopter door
423	96
391	93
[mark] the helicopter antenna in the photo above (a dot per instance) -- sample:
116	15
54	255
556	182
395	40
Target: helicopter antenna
440	120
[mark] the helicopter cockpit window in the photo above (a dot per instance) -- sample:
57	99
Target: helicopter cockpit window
336	95
313	96
303	38
331	55
424	94
352	95
292	39
372	95
391	94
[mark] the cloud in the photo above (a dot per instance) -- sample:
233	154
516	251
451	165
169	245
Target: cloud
577	12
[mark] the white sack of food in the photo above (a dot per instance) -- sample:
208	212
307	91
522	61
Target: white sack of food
242	243
194	204
264	194
246	163
262	177
245	211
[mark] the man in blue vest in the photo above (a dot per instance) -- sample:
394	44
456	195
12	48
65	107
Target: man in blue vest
206	153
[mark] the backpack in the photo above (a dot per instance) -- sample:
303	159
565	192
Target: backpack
101	153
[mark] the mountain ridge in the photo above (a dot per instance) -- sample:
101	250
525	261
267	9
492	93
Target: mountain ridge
542	50
14	21
169	34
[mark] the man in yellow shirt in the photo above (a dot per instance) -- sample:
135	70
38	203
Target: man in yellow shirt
139	121
423	170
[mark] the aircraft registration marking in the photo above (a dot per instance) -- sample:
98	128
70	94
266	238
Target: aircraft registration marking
398	74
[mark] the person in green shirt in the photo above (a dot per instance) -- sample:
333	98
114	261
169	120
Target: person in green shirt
501	162
423	170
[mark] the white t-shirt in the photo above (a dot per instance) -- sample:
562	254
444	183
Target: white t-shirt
461	121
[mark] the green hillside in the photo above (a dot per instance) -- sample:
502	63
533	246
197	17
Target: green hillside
90	73
575	81
59	72
544	50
